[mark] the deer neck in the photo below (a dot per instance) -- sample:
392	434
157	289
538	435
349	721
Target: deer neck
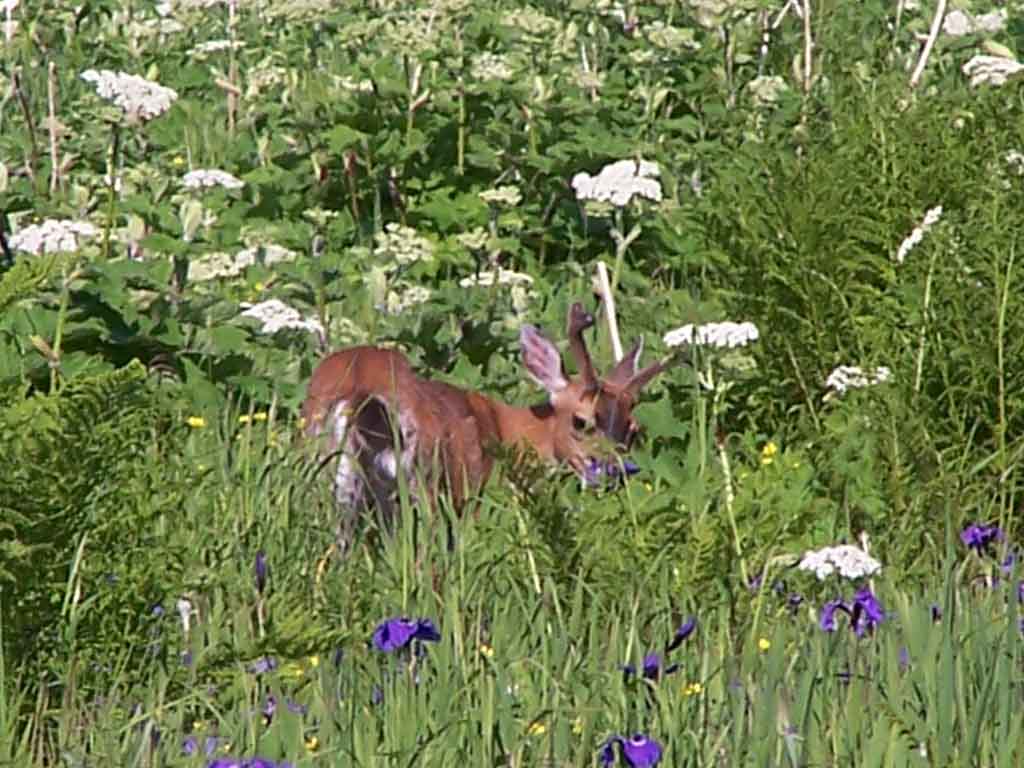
518	426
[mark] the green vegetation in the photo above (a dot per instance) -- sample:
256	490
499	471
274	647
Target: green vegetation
386	159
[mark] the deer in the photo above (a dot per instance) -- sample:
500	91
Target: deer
374	416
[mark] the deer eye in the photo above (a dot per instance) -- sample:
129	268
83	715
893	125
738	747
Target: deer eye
580	424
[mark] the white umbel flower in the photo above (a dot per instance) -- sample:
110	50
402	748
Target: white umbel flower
991	70
507	195
491	66
619	182
414	295
959	23
1015	160
211	177
276	316
503	276
215	46
402	245
224	265
52	236
931	218
139	98
724	335
851	377
851	562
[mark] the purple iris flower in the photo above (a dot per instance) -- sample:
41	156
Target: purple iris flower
686	629
865	612
270	707
828	614
246	762
261	571
936	613
191	745
610	472
264	665
978	537
794	601
652	667
395	634
637	751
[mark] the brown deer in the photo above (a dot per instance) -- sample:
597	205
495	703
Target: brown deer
377	417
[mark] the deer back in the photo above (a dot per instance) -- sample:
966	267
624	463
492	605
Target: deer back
370	402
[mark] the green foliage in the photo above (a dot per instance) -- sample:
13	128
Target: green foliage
394	153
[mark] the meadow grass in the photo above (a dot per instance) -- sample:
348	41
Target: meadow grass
412	174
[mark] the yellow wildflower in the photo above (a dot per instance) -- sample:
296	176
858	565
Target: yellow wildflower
245	418
196	422
312	743
486	650
764	643
693	689
537	728
577	726
178	161
768	453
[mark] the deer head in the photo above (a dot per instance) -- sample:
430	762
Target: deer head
587	410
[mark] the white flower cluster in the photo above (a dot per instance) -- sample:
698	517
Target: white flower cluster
507	195
52	236
1015	160
931	218
991	70
519	285
349	83
263	77
402	245
224	265
851	562
276	316
138	97
766	90
211	177
503	277
723	335
852	377
959	23
215	46
174	6
618	182
491	66
670	38
474	240
412	296
531	21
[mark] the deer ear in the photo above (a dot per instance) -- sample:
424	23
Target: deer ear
542	360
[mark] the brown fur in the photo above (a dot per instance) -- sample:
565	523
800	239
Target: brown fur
457	427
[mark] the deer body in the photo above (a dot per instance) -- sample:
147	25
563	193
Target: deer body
371	410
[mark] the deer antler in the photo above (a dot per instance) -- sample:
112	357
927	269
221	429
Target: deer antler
579	321
640	379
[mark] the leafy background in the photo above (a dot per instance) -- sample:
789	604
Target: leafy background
148	432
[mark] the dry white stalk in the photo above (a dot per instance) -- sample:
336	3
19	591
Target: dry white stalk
604	286
933	35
